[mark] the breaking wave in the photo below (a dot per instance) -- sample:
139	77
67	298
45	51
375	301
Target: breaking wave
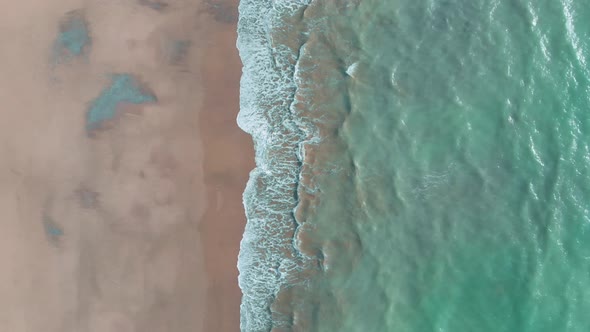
269	257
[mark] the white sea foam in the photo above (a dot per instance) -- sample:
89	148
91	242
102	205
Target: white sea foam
351	70
268	258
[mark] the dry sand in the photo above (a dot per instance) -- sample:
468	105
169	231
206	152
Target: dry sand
134	226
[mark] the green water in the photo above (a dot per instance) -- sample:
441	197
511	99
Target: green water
450	187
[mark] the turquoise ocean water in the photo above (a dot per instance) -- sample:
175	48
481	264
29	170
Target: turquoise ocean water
422	165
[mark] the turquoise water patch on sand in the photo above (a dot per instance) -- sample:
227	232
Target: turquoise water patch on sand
124	88
73	38
52	230
176	50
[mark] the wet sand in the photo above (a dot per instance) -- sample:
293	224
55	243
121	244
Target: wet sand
132	222
228	159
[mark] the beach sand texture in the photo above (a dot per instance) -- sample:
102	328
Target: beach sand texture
121	167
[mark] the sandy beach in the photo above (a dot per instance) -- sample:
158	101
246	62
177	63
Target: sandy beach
122	166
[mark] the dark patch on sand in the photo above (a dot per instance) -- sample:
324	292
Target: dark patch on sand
87	198
53	231
140	211
222	11
176	51
155	5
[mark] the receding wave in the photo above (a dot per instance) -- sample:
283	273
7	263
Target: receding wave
269	258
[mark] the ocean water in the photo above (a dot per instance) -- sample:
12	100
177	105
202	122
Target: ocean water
422	165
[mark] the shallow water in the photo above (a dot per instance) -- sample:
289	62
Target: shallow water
124	88
421	165
73	38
